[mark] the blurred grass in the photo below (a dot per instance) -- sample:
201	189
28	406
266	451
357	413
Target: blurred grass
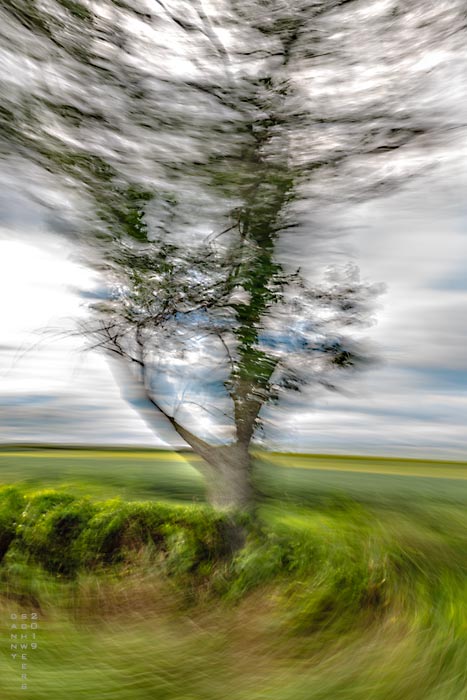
355	586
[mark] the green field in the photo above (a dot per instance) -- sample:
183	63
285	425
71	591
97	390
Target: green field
153	474
354	587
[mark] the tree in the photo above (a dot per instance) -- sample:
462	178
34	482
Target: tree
224	129
254	333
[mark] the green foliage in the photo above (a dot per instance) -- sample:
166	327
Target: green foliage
324	575
340	599
330	566
331	596
30	16
124	212
336	596
11	505
77	10
50	528
257	564
65	534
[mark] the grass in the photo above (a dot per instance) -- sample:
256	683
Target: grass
354	586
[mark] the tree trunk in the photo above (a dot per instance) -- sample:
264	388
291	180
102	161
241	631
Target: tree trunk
229	488
229	483
226	468
227	473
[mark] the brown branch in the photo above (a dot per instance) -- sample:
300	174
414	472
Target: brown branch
204	449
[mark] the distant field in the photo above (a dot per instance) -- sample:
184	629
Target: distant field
152	474
371	480
105	473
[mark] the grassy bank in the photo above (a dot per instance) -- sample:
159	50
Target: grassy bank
333	595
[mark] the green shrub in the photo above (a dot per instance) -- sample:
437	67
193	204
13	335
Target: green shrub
322	563
258	563
108	534
65	534
11	506
183	551
50	529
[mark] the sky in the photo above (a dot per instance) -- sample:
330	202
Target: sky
414	403
414	241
